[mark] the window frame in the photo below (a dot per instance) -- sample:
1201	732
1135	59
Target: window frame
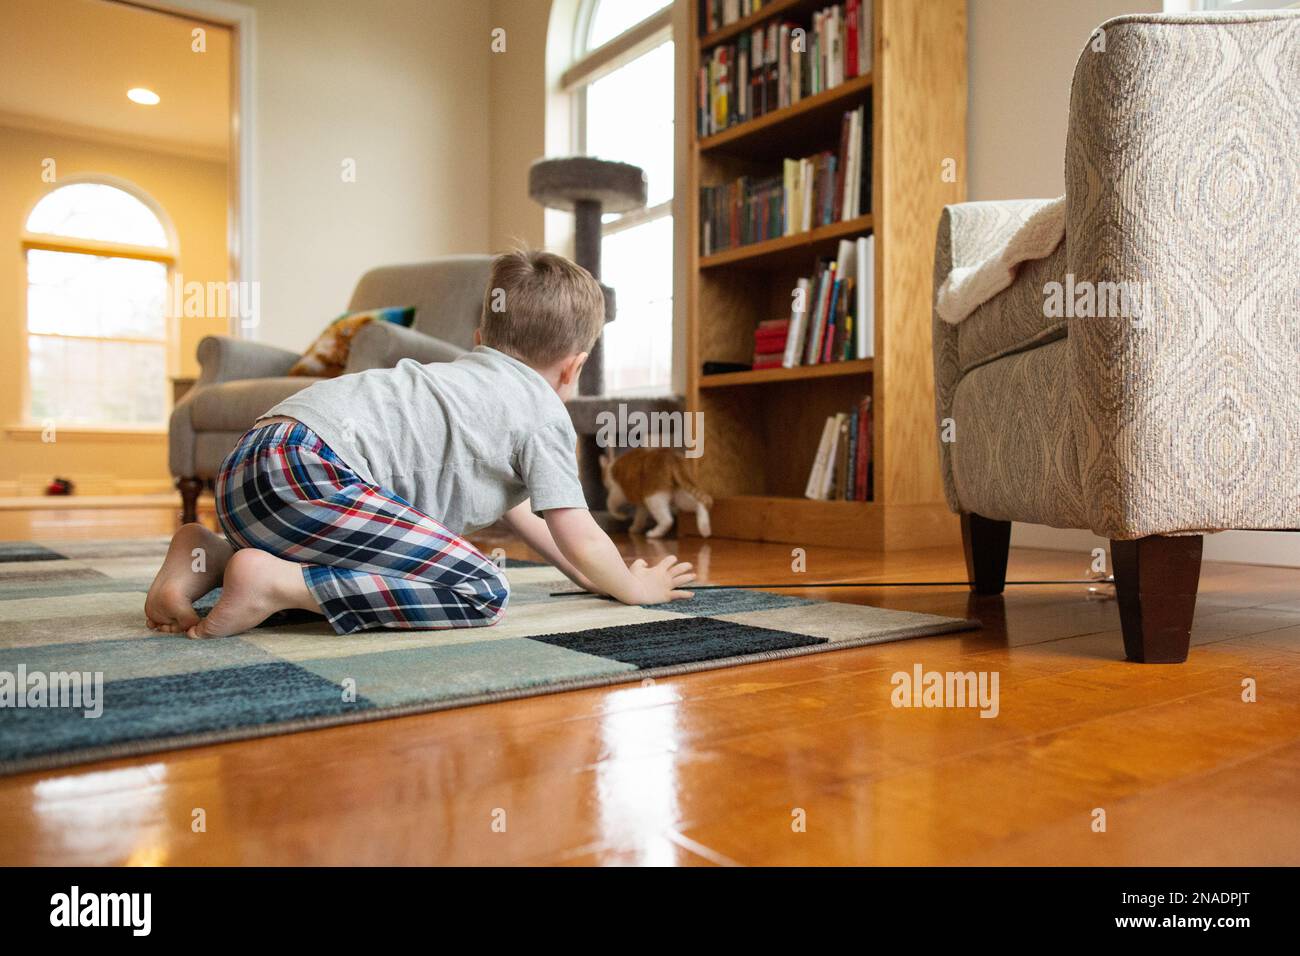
591	64
51	242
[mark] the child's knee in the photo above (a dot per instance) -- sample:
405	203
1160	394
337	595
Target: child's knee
496	592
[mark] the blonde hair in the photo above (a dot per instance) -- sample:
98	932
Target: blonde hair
540	307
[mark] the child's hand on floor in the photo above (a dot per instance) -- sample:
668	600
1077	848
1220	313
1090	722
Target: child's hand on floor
591	560
661	582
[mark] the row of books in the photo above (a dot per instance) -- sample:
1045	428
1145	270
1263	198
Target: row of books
715	14
833	313
770	340
842	468
777	64
827	187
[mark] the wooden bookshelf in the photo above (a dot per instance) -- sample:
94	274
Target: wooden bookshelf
762	376
762	427
810	242
723	34
781	122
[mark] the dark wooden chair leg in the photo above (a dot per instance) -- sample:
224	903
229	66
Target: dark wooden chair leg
986	542
1155	581
189	489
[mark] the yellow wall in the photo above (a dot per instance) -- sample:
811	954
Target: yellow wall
193	193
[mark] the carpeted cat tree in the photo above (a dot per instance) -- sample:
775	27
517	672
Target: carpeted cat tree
589	188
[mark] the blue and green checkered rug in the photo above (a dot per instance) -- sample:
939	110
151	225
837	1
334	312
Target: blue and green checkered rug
77	609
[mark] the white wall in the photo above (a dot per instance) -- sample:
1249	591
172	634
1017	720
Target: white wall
401	87
520	92
1022	55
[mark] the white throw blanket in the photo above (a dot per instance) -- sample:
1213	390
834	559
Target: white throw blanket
969	287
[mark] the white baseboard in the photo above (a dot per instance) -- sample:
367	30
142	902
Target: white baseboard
1244	547
86	485
84	502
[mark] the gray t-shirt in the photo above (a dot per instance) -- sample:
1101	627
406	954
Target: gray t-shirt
462	441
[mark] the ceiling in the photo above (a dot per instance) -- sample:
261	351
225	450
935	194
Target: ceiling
67	65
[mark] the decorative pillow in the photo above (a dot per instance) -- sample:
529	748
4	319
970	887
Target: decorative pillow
329	353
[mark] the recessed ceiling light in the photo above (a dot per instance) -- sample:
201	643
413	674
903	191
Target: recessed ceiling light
143	96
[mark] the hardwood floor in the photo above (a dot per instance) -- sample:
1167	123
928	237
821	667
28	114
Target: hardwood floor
718	768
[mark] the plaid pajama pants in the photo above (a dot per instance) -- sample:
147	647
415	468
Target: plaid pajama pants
369	558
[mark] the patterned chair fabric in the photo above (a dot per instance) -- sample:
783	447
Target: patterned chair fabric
1182	175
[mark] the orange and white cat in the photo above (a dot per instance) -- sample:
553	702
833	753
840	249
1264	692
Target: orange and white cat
657	483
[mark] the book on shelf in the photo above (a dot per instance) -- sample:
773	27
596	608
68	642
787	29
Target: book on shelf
824	281
817	190
864	314
837	483
769	343
862	474
816	477
716	14
842	467
724	368
832	315
770	66
798	327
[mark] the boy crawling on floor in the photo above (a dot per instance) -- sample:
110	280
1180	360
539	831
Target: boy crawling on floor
351	498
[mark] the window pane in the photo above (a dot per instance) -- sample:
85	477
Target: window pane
97	211
613	17
70	293
638	264
100	383
630	118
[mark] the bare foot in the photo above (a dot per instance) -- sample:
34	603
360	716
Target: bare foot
256	585
195	561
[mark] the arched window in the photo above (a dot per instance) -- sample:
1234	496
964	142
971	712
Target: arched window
98	260
622	83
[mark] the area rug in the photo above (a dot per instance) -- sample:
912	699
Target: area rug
82	678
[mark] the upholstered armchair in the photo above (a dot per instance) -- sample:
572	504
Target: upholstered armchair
240	379
1182	171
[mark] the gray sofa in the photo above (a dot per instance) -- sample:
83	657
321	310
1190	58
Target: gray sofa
241	379
1181	174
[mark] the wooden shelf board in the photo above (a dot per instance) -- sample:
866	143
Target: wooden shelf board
746	133
755	252
798	501
800	520
869	525
768	10
799	372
